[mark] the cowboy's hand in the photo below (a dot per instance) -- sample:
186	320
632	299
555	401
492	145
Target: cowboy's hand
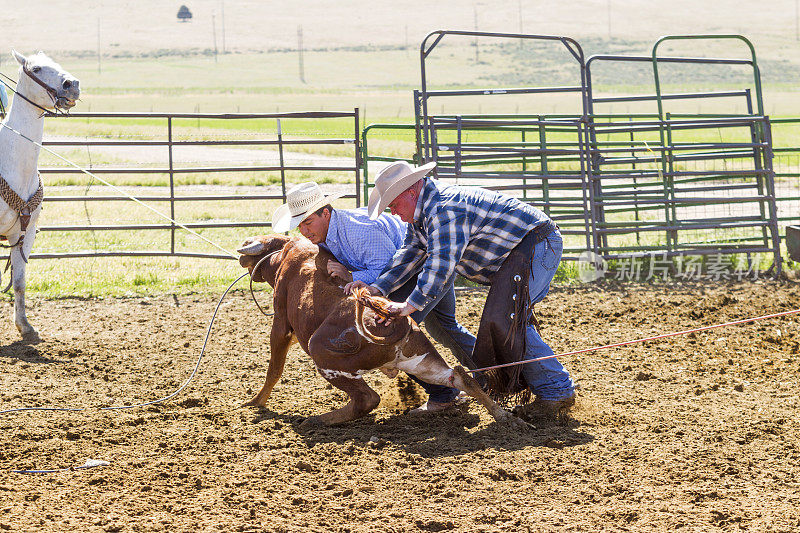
337	270
358	284
396	310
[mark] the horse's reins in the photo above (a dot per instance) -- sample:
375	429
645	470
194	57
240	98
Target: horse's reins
50	90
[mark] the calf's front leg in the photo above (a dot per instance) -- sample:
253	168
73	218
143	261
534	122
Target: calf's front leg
280	340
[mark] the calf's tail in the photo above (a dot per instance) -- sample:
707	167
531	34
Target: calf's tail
379	305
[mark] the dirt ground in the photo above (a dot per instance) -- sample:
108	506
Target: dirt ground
692	433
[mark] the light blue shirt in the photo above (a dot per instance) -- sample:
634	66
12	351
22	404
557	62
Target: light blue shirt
362	245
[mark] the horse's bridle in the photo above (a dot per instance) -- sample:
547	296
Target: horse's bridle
51	92
32	75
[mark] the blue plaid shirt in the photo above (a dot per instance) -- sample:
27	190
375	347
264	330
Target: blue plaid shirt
457	229
362	245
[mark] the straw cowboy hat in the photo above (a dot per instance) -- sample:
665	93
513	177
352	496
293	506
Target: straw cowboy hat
393	180
301	201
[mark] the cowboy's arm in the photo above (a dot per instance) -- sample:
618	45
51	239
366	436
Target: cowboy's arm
404	264
448	237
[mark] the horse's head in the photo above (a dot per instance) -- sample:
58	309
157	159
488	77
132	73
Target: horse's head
53	86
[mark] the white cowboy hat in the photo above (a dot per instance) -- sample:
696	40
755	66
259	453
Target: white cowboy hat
391	181
301	201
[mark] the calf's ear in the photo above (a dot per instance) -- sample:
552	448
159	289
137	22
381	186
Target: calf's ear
249	262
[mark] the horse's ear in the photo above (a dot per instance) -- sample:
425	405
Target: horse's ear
19	57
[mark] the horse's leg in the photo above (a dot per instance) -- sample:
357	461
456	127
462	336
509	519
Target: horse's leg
18	265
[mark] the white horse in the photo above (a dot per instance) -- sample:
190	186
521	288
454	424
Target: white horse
43	85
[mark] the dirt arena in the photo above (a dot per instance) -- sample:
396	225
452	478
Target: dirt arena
693	433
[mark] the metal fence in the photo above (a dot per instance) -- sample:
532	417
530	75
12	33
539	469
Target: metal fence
283	155
623	184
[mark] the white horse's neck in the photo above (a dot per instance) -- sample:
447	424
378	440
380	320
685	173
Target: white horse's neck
20	170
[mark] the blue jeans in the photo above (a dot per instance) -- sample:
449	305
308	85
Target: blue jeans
440	320
547	379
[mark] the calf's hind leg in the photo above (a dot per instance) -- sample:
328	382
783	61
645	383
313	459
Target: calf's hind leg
433	369
362	400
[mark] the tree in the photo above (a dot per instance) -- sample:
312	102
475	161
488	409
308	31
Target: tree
184	15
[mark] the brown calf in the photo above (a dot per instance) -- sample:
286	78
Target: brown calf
310	308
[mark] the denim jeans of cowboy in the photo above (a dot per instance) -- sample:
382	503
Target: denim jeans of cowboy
547	379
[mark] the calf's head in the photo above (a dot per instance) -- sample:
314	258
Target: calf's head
254	249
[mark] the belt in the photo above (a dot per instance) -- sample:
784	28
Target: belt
540	233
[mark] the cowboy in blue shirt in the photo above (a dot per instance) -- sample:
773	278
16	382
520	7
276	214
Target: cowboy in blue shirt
363	247
469	231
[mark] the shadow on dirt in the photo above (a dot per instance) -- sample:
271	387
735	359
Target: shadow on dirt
263	414
443	435
23	350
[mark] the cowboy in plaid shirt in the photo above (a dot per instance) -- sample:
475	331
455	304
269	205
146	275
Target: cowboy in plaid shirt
469	231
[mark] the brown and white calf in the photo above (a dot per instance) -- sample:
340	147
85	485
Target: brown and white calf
341	335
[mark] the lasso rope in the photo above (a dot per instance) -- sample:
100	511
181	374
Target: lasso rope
664	336
252	291
208	332
211	323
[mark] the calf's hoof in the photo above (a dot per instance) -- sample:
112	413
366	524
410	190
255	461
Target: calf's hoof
506	418
312	422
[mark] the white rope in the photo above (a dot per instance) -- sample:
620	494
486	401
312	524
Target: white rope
104	182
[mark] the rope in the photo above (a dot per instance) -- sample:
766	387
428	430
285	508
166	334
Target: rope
664	336
252	291
208	332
